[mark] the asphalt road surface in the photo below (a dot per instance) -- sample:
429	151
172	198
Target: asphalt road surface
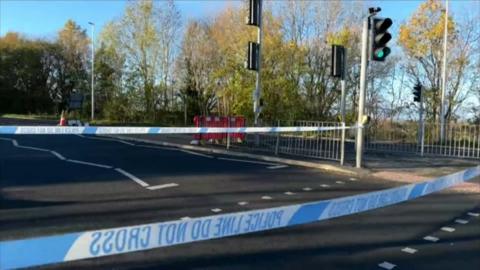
68	183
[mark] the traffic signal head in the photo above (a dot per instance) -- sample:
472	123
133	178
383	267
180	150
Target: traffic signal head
381	37
252	56
417	93
254	12
338	61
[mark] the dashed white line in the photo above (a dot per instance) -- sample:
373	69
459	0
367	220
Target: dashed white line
409	250
448	229
162	186
197	154
431	238
473	214
289	193
242	203
461	221
266	198
58	155
277	167
89	163
325	185
387	265
340	182
133	177
216	210
306	189
353	179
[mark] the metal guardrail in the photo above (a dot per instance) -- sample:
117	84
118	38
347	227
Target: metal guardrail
460	140
312	144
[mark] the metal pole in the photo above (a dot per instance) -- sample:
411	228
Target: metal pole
256	94
361	98
93	70
342	82
444	76
422	126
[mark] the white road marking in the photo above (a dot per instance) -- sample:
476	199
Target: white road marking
133	177
196	154
431	238
325	185
108	139
266	198
461	221
248	161
216	210
58	155
352	179
15	143
158	147
306	189
5	139
340	182
185	218
242	203
289	193
409	250
162	186
33	148
277	167
473	214
89	163
448	229
387	265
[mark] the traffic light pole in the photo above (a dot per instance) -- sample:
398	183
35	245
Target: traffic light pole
421	136
257	91
361	101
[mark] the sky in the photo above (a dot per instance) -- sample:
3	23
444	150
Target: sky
44	18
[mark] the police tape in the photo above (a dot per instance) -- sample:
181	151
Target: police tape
53	130
98	243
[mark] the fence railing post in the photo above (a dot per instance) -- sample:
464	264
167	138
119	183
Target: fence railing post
228	133
277	143
342	146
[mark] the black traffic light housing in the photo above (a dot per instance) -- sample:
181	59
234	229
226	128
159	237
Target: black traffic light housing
380	38
252	56
338	61
253	17
417	92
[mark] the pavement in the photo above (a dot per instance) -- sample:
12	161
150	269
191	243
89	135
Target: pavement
68	183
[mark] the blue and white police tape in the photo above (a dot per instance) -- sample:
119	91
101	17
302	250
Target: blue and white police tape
91	244
51	130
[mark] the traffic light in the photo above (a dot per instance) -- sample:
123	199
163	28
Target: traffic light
252	56
253	17
417	93
381	37
338	61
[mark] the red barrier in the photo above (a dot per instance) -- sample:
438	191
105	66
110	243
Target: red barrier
216	121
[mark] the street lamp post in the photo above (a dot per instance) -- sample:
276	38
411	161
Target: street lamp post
93	69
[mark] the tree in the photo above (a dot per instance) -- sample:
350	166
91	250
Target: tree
421	39
22	77
66	63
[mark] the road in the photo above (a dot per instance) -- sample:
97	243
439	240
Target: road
68	183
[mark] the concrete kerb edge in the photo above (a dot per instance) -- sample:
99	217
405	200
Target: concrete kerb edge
308	164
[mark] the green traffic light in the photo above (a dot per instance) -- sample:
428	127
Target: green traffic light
380	54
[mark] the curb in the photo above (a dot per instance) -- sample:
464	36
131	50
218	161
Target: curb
308	164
